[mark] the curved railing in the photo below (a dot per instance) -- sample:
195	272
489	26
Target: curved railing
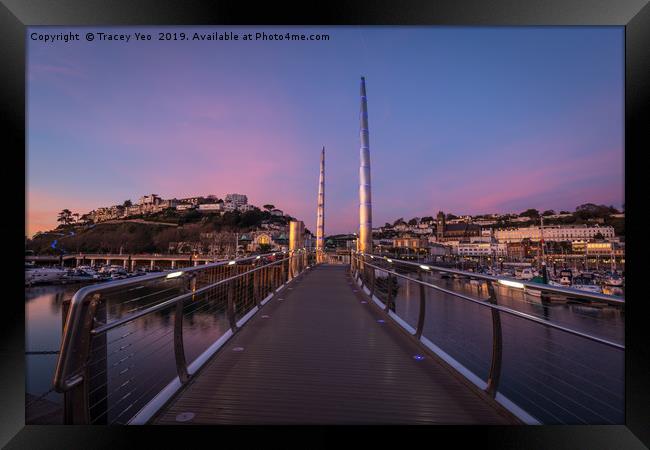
542	370
126	343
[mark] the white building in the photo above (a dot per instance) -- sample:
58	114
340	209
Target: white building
554	233
184	206
246	207
484	222
151	199
277	212
237	199
481	249
210	207
229	207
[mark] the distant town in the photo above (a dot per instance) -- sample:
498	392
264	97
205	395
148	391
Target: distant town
591	231
207	225
230	225
153	204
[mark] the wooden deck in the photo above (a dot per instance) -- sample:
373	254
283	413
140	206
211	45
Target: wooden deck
316	355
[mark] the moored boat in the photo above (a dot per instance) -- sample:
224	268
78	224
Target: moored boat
39	275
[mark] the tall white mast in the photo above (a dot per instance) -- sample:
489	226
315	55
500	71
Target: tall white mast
320	219
365	204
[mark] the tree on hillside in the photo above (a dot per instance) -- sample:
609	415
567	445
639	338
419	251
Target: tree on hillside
65	217
592	211
530	212
413	221
548	212
269	207
451	217
399	221
127	203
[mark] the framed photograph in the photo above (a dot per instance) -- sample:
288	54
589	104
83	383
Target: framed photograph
410	214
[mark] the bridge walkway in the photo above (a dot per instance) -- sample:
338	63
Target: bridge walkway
315	354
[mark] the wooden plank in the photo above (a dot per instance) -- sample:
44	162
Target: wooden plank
321	357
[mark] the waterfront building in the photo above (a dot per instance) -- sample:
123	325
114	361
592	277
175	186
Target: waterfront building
592	248
458	232
555	233
481	249
439	250
518	250
409	242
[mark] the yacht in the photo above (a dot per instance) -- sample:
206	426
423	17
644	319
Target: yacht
586	282
566	277
82	273
525	274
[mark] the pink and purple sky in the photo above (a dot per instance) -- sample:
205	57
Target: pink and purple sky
465	120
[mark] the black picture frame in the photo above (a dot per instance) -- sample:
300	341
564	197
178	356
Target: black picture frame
16	15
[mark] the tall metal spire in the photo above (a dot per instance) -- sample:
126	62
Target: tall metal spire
320	219
365	204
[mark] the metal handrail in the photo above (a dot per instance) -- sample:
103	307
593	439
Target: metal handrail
167	303
81	327
79	305
611	299
359	264
501	308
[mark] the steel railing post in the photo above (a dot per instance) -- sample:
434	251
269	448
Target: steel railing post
389	292
230	311
75	405
420	326
179	348
254	280
497	346
76	400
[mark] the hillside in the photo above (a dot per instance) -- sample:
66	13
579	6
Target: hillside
150	234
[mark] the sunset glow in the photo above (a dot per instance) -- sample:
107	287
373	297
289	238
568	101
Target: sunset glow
465	120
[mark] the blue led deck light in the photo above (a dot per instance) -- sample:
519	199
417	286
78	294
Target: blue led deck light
381	321
418	357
